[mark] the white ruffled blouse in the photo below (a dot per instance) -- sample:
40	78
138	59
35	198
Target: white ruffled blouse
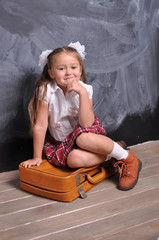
63	109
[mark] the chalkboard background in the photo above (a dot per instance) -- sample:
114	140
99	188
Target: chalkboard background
121	39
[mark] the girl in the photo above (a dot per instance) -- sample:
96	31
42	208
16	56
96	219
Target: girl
62	102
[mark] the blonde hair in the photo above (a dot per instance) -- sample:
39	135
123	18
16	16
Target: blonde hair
45	78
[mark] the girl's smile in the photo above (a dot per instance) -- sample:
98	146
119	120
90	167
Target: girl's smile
68	78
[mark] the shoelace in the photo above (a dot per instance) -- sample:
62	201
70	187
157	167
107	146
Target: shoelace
111	165
124	170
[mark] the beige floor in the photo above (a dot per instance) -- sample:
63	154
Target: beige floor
106	213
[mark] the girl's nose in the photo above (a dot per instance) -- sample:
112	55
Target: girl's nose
68	71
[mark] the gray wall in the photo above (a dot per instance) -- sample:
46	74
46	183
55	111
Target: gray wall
121	39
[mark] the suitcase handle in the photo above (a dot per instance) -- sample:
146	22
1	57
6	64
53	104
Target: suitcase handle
98	177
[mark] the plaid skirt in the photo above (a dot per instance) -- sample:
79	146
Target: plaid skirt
56	152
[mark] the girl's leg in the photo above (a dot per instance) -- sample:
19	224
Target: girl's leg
101	144
80	158
96	143
129	164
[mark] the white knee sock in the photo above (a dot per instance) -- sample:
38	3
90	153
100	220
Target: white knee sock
118	152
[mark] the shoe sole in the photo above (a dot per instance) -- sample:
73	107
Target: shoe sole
133	185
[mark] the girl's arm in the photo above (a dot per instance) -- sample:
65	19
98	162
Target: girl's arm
39	132
85	115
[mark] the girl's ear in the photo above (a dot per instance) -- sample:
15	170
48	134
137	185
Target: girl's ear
50	74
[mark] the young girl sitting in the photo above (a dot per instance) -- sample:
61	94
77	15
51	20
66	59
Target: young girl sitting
62	103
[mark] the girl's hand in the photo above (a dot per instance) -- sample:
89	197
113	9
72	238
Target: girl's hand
74	85
69	84
32	162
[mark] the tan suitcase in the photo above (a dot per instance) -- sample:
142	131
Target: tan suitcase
62	184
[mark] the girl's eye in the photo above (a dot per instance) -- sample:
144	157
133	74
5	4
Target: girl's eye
61	68
74	67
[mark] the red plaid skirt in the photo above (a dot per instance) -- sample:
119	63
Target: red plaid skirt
56	152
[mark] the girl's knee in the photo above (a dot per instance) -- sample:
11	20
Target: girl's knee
73	159
82	139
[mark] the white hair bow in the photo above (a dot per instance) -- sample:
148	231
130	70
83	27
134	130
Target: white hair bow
80	49
43	56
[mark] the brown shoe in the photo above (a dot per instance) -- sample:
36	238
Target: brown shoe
129	171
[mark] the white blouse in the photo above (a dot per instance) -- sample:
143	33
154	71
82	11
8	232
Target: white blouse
63	109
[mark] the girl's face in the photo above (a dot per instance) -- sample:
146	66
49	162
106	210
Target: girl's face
65	69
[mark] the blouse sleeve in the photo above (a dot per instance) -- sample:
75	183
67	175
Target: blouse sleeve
89	89
41	93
